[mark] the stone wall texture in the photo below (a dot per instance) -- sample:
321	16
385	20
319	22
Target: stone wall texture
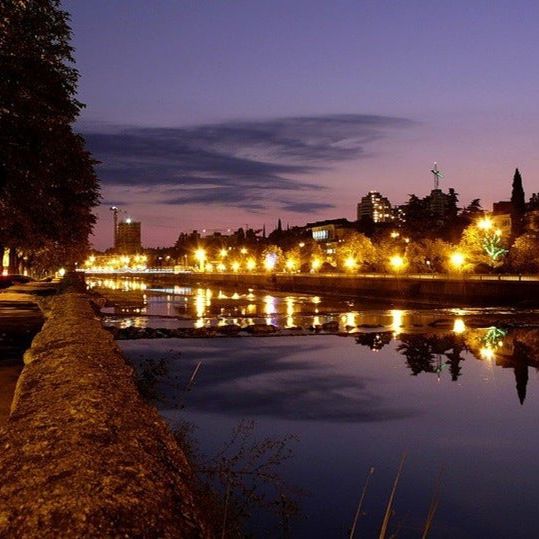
82	455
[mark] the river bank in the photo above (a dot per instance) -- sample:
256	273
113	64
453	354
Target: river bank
79	434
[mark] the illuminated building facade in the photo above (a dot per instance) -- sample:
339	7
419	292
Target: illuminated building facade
376	207
329	231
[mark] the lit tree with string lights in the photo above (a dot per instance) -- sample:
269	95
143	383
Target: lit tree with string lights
484	243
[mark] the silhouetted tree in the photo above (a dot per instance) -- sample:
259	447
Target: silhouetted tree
418	352
453	347
452	205
518	204
521	378
473	209
374	340
521	357
240	236
533	203
47	183
420	222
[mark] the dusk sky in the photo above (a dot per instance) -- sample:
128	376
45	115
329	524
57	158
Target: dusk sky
220	114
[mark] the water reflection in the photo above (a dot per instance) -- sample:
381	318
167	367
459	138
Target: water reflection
219	306
516	349
352	408
396	321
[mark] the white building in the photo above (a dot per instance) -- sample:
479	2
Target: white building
376	207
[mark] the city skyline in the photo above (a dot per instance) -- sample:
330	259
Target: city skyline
243	113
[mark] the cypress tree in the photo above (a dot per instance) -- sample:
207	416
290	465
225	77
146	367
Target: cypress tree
47	182
518	204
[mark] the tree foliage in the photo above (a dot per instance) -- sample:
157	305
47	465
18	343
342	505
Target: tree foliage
47	183
518	204
428	255
357	248
483	247
524	255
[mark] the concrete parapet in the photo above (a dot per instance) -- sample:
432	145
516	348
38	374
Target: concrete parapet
426	289
82	455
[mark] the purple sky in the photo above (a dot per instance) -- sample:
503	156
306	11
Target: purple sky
215	115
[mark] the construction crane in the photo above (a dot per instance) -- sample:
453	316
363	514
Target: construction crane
115	210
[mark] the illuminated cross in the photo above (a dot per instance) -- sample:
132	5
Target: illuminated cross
437	176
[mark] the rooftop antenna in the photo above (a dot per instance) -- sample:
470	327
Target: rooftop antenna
437	176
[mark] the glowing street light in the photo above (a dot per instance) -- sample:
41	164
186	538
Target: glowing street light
223	253
316	264
485	223
350	263
250	264
397	262
243	250
457	260
269	262
200	257
235	266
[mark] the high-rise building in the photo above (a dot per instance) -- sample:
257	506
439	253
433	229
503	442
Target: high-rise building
376	207
128	237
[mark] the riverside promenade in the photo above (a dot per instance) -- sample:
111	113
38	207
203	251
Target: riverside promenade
82	455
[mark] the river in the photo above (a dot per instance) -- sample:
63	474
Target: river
455	390
18	325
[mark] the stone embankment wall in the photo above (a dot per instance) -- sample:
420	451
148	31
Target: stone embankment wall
435	291
82	455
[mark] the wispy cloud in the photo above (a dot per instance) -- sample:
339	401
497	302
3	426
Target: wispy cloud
243	164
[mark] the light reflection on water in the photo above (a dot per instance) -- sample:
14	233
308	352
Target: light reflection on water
360	402
433	383
203	307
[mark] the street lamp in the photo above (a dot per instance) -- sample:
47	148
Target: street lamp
316	264
350	263
269	262
397	262
485	223
200	257
457	260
